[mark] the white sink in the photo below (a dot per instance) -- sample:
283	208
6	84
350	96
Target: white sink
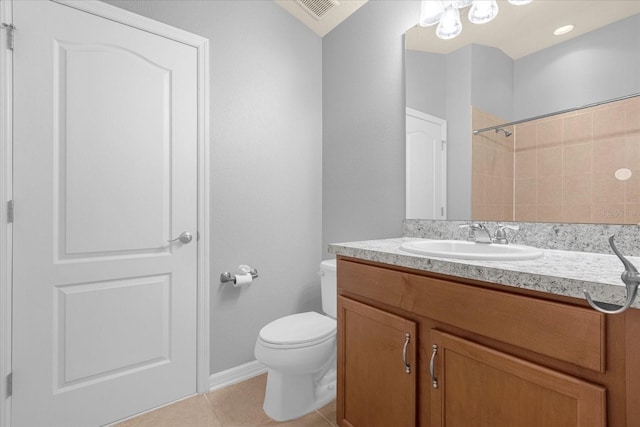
460	249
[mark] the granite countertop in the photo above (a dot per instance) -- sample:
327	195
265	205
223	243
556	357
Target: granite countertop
558	272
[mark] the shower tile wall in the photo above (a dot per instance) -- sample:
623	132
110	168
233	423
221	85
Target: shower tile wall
492	170
565	166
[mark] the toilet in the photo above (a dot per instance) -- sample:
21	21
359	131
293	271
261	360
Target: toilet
299	352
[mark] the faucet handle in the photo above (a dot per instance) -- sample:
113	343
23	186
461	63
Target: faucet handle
474	226
472	235
484	236
501	233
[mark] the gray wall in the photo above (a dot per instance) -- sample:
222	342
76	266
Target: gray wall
563	75
553	79
492	81
266	162
425	76
446	86
458	117
363	122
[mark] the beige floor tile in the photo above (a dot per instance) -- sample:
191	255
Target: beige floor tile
313	419
192	412
323	417
240	405
329	412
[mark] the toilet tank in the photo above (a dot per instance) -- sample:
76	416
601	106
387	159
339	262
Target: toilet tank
329	287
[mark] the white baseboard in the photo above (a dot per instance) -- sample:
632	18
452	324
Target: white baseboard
235	375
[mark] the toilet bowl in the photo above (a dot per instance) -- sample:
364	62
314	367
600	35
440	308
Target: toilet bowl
299	352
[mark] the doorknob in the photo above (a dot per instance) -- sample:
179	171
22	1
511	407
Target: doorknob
184	237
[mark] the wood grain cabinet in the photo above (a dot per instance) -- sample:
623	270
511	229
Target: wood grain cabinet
418	349
378	366
476	385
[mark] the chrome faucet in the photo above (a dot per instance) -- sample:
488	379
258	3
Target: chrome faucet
478	233
501	233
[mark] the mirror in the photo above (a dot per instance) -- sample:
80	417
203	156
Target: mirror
579	166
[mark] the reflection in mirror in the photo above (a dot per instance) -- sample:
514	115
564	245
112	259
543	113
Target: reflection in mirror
426	166
580	166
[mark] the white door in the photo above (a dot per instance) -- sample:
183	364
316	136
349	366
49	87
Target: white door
426	166
105	173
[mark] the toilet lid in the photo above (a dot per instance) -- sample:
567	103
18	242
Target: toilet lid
298	329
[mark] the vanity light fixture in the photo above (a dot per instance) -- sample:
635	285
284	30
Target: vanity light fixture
446	13
459	4
483	11
563	30
430	12
450	25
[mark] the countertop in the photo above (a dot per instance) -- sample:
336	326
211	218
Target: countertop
558	272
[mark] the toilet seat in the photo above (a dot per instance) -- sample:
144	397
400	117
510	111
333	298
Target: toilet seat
298	330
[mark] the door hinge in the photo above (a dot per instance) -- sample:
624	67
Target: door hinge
10	33
10	384
443	145
442	211
10	211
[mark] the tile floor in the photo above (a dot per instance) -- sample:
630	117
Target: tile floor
239	405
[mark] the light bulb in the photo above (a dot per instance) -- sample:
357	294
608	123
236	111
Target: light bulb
519	2
460	4
483	11
450	25
430	12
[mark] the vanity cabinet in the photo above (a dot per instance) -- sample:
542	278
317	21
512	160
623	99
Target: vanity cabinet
378	361
480	354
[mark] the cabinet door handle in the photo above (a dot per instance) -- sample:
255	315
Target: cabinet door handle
407	367
434	380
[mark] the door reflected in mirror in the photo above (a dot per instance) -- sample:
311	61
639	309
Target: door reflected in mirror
426	151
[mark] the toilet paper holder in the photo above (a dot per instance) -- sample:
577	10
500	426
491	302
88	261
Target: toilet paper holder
227	277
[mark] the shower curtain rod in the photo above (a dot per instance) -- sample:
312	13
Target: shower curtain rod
595	104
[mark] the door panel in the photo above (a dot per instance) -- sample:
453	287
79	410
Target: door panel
481	387
129	338
426	159
105	173
96	158
378	389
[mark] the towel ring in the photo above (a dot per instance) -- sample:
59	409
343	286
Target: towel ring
631	279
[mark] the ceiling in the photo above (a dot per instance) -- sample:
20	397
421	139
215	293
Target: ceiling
321	16
521	30
517	30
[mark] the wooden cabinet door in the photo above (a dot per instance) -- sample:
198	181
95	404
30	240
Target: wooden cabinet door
481	387
376	367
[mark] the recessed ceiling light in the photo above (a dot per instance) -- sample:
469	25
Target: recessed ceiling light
563	30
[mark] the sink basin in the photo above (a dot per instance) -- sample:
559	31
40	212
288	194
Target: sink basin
460	249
